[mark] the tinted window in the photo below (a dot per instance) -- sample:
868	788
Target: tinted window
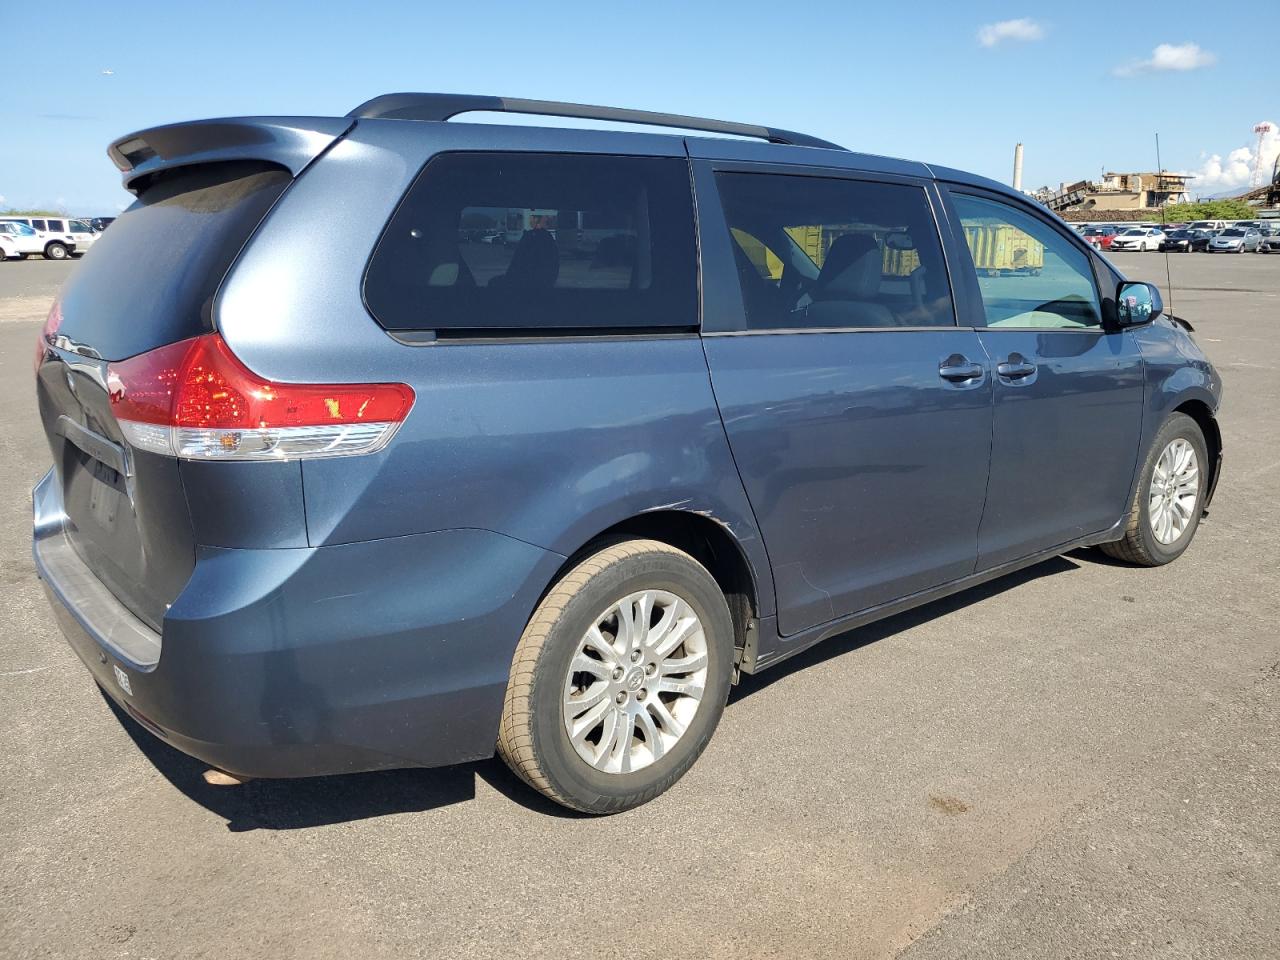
152	278
38	224
1029	274
493	241
816	252
57	226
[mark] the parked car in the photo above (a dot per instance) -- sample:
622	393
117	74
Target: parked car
1270	243
558	496
101	223
1212	226
18	241
57	242
1185	241
1101	236
1235	240
1141	239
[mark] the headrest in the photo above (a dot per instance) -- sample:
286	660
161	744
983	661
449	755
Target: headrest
851	271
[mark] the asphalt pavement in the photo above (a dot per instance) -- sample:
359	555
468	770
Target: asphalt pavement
1081	760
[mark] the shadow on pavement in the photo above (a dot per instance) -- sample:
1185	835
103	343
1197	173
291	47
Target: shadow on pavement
320	801
856	639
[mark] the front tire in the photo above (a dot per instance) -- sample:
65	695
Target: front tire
620	678
56	251
1169	498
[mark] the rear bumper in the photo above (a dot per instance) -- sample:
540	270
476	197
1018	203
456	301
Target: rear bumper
310	661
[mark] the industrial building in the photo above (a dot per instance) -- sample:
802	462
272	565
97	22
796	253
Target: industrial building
1119	192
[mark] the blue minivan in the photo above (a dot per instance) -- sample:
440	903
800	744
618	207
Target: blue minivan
385	441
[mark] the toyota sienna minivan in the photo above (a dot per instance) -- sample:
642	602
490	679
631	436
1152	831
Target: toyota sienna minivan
407	497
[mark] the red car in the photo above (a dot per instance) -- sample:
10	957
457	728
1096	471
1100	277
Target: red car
1100	237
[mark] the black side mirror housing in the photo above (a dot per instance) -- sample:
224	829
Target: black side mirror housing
1137	303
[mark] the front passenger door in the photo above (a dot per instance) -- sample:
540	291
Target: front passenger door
1068	389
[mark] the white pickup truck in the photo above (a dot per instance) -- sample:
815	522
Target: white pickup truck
17	240
61	237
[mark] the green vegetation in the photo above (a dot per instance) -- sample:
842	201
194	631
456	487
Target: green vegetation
1209	210
15	212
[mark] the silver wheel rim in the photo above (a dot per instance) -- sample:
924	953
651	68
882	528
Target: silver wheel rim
635	682
1175	488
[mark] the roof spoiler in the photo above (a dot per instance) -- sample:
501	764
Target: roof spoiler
292	142
443	106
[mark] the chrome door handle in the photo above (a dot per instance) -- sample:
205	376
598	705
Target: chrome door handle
959	369
1017	367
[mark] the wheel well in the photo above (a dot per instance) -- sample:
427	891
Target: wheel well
1199	411
702	538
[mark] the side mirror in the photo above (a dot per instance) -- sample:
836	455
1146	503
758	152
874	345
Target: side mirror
1137	303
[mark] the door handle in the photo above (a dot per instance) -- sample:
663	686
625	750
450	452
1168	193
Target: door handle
1017	367
959	369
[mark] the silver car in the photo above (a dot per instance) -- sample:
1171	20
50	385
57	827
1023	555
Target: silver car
1235	240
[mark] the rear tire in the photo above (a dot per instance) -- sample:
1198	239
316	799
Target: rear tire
577	651
56	251
1146	541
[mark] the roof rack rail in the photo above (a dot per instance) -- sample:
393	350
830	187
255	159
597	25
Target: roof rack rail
442	106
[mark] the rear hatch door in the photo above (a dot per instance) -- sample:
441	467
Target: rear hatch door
148	282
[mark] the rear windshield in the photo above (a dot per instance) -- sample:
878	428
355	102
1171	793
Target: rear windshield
150	280
517	241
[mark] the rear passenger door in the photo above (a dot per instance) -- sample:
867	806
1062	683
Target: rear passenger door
1068	387
858	413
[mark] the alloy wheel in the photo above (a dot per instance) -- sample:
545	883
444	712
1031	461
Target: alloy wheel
635	682
1175	488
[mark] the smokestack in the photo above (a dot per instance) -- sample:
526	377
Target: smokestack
1017	167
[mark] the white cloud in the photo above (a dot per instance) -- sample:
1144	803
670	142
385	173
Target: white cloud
1	198
1235	171
1170	56
1020	31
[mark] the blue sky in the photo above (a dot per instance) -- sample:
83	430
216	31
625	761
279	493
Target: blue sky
907	79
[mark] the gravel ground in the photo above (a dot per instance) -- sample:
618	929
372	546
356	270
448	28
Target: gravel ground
1080	760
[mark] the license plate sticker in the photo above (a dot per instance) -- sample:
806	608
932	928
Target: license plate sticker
122	679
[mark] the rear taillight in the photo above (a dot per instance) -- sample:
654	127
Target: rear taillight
51	324
195	399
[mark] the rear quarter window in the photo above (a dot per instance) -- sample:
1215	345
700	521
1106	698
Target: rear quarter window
520	242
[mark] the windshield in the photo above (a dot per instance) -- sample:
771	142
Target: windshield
1180	234
1232	233
1134	232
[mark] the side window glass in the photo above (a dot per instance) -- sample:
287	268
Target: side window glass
39	224
57	226
1028	273
813	252
510	241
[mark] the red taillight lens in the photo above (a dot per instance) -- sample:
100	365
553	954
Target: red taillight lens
196	399
51	324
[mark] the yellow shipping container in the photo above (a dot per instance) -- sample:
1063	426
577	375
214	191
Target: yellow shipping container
815	242
1001	248
899	263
